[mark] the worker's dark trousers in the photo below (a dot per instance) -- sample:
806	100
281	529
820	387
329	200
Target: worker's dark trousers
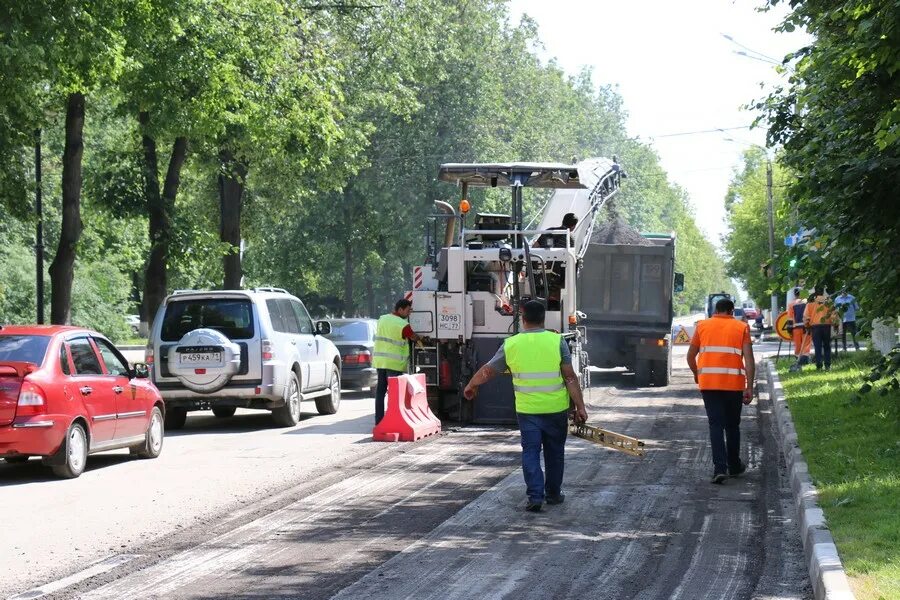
851	327
547	431
381	391
821	336
723	410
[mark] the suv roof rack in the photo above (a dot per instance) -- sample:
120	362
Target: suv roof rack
271	289
176	292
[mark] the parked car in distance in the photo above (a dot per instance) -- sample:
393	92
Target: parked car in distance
66	392
355	340
134	323
220	350
739	314
750	310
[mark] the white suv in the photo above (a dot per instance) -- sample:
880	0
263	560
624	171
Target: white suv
226	349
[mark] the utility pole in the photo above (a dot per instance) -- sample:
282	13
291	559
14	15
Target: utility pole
774	306
39	233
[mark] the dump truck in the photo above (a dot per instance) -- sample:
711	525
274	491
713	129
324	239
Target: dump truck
625	291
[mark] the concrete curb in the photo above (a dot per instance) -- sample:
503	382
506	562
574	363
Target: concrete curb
826	572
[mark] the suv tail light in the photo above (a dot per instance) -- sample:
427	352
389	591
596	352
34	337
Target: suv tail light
148	355
359	358
31	400
267	350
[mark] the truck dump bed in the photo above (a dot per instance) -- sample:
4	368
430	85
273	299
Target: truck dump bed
628	287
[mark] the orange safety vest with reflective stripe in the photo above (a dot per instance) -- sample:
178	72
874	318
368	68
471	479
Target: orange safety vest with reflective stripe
720	362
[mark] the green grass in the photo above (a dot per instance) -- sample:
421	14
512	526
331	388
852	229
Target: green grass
133	341
853	451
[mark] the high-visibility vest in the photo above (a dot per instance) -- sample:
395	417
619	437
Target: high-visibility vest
818	313
391	350
533	360
720	363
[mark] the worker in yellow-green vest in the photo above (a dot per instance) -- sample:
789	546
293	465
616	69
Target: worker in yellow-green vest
543	381
391	356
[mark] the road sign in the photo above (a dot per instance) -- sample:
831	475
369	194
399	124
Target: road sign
682	336
781	326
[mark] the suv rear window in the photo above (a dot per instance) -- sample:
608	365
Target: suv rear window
231	316
24	348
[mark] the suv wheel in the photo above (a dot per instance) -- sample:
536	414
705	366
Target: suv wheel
328	405
223	412
176	417
289	414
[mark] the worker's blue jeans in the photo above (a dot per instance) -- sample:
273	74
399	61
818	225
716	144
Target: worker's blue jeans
547	431
723	410
381	390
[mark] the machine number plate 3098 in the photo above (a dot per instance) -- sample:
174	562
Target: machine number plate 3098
449	321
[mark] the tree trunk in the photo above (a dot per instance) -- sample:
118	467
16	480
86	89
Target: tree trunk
370	295
62	269
386	287
160	210
349	305
231	190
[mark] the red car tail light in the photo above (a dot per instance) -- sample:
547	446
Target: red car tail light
359	358
32	400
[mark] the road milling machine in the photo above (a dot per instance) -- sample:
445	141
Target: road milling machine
467	297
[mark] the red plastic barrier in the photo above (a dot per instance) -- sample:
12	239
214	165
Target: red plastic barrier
408	417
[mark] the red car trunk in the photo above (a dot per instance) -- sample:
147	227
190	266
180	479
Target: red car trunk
11	376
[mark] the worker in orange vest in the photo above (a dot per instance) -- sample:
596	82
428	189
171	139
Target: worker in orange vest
721	358
818	317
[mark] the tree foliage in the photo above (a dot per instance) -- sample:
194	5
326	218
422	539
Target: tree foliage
329	122
838	120
747	216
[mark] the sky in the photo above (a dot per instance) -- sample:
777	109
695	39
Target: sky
676	73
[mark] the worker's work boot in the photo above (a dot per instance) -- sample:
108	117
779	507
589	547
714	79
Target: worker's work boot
736	471
534	506
559	499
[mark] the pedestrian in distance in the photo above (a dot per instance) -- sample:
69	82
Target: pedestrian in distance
847	305
543	382
818	317
721	359
391	356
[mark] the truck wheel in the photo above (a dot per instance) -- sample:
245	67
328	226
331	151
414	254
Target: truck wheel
328	405
76	449
223	412
661	373
642	372
176	418
289	414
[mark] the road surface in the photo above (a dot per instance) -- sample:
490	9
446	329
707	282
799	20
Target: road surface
238	508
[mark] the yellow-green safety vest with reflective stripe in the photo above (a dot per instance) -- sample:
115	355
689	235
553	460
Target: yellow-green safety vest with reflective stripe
391	350
533	360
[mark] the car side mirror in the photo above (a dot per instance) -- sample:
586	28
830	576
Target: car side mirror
323	327
140	371
679	282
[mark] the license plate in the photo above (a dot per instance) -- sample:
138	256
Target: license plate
201	357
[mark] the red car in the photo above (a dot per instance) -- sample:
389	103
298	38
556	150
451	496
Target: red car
66	392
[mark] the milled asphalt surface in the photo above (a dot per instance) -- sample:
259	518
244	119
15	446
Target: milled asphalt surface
443	518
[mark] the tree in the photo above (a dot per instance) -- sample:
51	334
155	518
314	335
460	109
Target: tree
747	241
838	119
62	50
